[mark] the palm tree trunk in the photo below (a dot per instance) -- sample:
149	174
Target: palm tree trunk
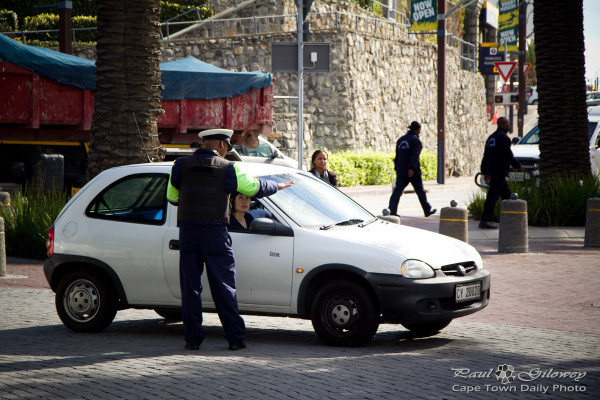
127	99
563	122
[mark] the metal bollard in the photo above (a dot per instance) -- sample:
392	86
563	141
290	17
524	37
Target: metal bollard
4	203
513	236
454	222
390	218
2	249
592	223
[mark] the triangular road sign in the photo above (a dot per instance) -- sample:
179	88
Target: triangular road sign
526	67
505	68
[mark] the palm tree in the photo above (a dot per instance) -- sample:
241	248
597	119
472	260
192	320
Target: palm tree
127	100
560	67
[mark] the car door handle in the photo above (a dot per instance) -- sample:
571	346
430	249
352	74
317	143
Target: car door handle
174	244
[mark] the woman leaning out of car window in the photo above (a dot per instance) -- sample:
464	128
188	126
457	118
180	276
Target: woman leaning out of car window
319	162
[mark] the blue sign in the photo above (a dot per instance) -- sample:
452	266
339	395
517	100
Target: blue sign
487	57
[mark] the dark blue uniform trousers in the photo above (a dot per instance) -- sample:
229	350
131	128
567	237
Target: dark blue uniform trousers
210	245
402	182
498	187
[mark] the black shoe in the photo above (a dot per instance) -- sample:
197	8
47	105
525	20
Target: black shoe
192	347
431	212
487	225
237	346
395	215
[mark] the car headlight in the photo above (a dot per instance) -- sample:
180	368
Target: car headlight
416	269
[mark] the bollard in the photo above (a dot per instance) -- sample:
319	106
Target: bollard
2	250
390	218
592	223
4	203
454	222
513	236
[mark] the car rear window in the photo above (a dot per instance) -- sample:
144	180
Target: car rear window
137	198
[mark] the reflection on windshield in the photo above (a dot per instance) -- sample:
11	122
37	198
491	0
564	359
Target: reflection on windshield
312	203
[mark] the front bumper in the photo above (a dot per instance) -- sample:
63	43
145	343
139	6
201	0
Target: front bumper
404	300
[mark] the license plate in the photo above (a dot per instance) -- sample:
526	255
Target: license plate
470	291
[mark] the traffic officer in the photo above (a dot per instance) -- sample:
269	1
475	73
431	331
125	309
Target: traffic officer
497	158
200	185
408	169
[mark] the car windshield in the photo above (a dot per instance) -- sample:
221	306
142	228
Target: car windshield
312	203
264	149
533	136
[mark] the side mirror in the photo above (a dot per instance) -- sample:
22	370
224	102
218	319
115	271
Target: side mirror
515	140
266	226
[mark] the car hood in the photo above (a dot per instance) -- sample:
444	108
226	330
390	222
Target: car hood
526	151
385	243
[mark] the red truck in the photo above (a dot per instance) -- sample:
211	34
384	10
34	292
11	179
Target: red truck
47	105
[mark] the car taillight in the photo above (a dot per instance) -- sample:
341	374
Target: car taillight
50	242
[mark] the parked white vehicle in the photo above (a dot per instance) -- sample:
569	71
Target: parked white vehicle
532	95
527	150
265	153
321	256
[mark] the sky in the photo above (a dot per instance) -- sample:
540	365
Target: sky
591	31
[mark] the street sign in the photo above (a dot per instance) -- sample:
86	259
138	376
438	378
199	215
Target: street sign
505	68
488	55
506	99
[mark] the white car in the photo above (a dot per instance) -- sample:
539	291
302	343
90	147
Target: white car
320	256
532	95
527	150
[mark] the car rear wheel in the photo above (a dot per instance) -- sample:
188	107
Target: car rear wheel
344	314
86	301
427	329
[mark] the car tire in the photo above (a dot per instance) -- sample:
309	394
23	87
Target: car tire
170	314
427	329
343	313
86	301
534	102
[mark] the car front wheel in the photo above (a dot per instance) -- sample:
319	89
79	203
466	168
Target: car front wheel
86	302
344	314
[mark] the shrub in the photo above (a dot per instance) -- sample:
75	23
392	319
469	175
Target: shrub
560	202
43	22
373	168
8	21
27	220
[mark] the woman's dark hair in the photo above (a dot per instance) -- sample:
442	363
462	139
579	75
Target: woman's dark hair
316	154
232	200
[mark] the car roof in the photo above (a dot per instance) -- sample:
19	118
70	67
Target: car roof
594	112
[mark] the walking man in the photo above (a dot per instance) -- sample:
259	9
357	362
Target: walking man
497	159
408	169
200	185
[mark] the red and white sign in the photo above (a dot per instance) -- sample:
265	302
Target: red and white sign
505	68
526	67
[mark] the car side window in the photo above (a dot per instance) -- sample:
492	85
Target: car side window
139	198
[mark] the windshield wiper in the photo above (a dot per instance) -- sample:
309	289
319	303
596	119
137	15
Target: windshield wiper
347	222
367	223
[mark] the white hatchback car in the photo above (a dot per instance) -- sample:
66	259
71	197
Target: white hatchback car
319	256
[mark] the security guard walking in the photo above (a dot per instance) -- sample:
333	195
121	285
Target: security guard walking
408	169
200	185
497	159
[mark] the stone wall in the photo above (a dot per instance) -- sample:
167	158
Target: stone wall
381	78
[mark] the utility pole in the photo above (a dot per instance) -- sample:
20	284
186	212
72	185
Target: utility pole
441	92
522	33
65	40
299	22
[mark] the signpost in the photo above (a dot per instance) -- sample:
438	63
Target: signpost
488	55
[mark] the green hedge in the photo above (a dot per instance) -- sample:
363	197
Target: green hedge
374	168
8	21
43	22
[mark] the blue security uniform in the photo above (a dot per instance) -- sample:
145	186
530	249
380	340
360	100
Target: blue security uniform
496	162
408	151
200	185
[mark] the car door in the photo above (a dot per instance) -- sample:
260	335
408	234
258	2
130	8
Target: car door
595	151
263	268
